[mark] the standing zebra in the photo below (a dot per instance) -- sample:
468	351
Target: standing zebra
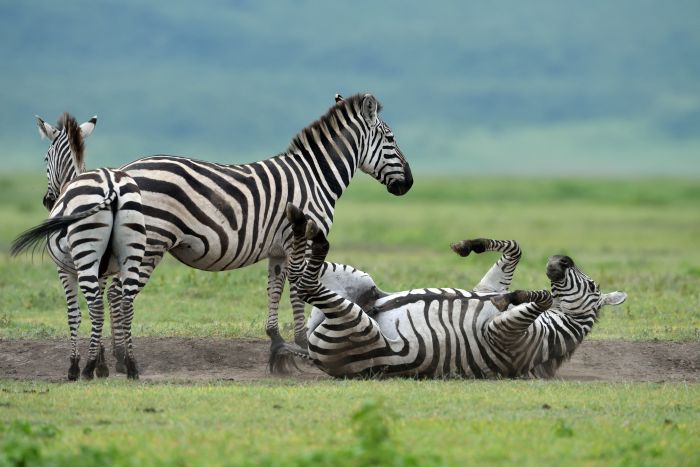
95	229
483	333
219	217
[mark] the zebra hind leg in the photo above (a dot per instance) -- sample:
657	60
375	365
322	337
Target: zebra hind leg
92	289
70	287
101	370
500	276
114	297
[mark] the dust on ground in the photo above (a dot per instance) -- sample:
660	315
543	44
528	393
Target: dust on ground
192	360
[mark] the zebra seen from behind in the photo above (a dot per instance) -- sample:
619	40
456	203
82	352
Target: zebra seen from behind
218	217
95	230
442	332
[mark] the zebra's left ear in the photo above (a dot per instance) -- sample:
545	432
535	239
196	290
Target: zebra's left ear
612	298
87	127
338	98
369	109
46	130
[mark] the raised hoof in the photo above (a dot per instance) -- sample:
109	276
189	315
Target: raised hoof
89	370
74	370
464	247
296	217
501	302
311	230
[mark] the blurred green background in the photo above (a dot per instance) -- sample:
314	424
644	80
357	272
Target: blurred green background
537	87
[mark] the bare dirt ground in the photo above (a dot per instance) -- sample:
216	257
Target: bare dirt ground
192	360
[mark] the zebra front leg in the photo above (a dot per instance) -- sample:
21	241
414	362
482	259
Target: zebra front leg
345	326
500	276
509	326
299	318
70	287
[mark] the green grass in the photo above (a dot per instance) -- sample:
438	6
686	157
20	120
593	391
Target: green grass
456	422
640	236
637	235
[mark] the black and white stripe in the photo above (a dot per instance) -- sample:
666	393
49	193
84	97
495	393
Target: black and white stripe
446	332
95	230
219	217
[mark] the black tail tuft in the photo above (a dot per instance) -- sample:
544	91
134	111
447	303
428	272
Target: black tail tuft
36	237
282	358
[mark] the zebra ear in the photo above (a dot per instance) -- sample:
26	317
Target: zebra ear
338	98
369	109
87	127
612	298
46	130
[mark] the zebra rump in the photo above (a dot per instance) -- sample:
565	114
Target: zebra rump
36	237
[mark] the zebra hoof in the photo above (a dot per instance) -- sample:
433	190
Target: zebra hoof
311	230
120	367
89	370
501	302
74	370
132	371
102	370
120	355
296	217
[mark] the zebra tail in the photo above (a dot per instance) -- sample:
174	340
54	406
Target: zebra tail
37	236
282	357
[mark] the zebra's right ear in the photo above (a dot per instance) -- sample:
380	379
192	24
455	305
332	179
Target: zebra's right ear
338	98
46	130
370	109
87	127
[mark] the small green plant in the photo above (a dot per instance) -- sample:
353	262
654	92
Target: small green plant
25	445
22	444
373	445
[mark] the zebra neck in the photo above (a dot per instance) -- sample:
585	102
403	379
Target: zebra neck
72	171
554	337
331	168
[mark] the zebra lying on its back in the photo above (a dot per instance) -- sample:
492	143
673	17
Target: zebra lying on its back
483	333
95	229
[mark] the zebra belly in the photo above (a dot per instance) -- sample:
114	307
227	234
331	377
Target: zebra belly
214	217
429	338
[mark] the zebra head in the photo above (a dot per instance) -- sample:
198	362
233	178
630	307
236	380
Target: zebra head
381	157
64	159
573	292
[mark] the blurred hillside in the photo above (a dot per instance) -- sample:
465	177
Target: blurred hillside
548	87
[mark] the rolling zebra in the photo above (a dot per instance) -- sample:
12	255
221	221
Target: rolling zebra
483	333
95	229
219	217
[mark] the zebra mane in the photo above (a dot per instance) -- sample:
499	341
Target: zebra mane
68	123
350	103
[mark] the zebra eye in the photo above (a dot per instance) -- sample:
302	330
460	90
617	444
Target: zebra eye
390	138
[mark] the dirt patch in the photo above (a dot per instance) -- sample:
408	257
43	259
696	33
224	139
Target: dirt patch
177	359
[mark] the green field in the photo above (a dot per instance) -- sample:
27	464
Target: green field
640	236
